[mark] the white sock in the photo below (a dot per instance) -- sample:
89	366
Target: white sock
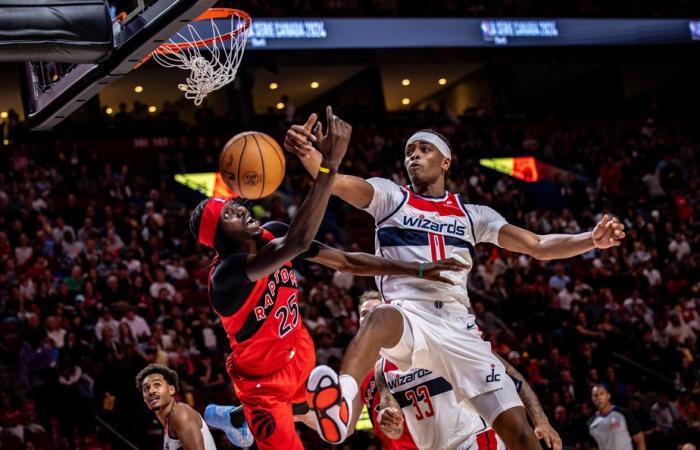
348	387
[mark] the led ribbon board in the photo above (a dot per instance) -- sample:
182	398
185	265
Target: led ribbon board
523	168
208	183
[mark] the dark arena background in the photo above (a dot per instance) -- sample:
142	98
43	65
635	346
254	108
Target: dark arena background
556	111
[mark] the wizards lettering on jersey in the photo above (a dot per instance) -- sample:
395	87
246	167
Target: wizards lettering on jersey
421	222
288	278
400	380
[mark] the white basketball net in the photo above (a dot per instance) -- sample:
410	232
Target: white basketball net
217	66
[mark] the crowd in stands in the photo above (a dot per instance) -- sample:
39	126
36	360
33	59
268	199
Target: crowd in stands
100	276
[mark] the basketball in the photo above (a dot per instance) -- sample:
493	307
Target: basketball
252	164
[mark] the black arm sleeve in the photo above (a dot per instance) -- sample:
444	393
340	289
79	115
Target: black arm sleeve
632	424
230	284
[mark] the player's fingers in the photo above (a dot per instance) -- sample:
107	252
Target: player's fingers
298	129
296	138
442	279
547	440
330	119
556	440
453	264
311	121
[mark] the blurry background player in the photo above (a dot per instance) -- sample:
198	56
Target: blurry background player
253	289
183	427
430	409
425	324
612	427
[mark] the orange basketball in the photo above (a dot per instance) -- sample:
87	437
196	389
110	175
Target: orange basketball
252	164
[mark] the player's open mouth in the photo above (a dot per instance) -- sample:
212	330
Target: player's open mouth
153	400
414	166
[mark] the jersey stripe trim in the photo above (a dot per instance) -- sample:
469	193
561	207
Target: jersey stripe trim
401	237
441	207
435	387
433	246
403	202
464	208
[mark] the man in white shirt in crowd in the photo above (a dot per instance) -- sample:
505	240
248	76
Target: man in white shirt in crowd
161	283
106	320
137	324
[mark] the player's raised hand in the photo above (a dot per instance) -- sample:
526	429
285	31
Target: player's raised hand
549	434
431	271
608	232
300	139
391	421
335	143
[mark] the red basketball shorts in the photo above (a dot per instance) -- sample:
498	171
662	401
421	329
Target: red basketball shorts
267	401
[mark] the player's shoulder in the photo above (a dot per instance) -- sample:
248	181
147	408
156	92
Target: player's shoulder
592	419
183	415
624	411
379	183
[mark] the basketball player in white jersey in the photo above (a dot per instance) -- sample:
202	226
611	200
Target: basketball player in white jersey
427	324
184	428
426	403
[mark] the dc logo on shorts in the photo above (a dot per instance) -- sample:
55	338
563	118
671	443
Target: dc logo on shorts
494	377
262	423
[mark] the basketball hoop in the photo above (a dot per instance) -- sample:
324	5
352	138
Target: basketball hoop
219	65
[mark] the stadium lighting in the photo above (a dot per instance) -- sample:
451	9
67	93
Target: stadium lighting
3	115
152	109
5	142
314	85
405	101
138	89
405	82
442	81
109	111
273	86
280	105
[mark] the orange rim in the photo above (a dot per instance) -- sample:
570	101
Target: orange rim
211	13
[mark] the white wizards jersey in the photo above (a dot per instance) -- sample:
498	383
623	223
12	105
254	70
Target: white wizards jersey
411	227
433	416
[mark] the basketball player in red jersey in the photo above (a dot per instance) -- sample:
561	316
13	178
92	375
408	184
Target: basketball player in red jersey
253	288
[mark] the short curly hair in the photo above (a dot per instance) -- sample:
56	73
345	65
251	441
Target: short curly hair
168	374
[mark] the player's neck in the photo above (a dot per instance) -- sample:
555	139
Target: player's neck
605	410
163	413
436	189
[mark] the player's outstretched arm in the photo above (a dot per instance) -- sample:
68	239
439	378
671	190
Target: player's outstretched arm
301	139
305	224
607	233
390	417
543	429
186	425
365	264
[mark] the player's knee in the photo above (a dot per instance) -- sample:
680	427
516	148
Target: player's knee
384	321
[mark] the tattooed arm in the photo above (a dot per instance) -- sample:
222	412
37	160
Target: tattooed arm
543	430
390	417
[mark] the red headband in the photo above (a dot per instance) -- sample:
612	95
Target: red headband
210	220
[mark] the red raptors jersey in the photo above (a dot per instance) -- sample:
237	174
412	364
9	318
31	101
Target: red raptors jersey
261	317
371	398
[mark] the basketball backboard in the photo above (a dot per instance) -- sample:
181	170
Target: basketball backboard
51	91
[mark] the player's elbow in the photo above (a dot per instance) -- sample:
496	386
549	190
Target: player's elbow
537	249
302	245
